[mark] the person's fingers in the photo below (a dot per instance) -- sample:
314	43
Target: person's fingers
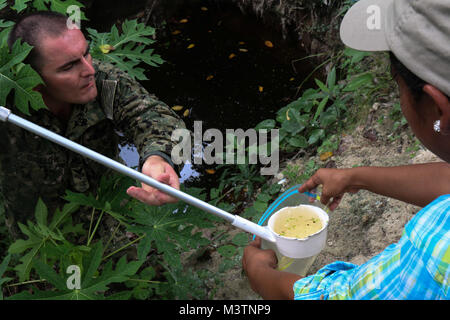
143	196
256	243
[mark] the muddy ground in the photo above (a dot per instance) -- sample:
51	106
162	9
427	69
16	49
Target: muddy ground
364	223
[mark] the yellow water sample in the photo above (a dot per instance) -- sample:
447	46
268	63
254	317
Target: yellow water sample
297	222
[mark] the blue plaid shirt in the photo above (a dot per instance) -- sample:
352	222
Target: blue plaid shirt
415	268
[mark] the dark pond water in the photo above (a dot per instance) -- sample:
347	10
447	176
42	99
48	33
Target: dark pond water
221	67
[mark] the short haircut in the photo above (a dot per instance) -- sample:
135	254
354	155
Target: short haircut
32	27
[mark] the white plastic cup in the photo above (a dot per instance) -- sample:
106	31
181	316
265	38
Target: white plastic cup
297	255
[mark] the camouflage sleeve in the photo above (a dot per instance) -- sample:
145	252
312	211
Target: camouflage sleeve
142	118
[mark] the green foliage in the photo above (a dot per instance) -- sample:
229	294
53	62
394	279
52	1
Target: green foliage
43	239
18	78
161	235
44	5
93	282
314	119
126	49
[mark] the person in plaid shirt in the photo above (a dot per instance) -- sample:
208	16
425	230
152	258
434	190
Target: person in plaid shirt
417	34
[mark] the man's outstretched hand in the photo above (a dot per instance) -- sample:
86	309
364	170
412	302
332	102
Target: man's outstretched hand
158	169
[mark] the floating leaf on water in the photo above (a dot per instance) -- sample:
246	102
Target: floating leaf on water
268	44
184	20
204	8
292	79
209	77
324	156
231	56
106	48
191	46
186	113
243	50
177	108
261	89
210	171
176	32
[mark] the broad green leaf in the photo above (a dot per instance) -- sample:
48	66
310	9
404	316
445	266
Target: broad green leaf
356	55
227	251
298	141
316	135
127	49
266	124
358	82
58	6
3	4
46	272
241	239
21	78
19	5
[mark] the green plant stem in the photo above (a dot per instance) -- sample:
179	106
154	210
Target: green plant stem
146	281
95	228
90	225
112	236
25	282
125	246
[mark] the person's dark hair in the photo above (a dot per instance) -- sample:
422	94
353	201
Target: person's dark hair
414	83
31	27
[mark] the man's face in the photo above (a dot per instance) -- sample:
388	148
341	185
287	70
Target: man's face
66	68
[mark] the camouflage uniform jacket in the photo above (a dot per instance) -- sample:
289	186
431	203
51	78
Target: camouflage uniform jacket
32	167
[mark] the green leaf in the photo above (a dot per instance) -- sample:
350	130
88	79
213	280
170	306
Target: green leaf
41	213
266	124
240	239
21	78
322	86
356	55
127	49
58	6
227	251
358	82
331	79
19	5
3	4
319	110
3	267
298	141
316	135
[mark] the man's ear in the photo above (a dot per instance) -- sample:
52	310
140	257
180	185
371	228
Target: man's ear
39	88
443	104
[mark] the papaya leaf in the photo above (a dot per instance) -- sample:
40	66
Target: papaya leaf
92	287
20	5
3	267
168	227
3	4
40	236
19	77
127	49
57	5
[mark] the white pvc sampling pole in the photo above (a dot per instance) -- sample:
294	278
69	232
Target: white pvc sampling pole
237	221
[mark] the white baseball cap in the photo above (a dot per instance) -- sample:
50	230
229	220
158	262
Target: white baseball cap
416	31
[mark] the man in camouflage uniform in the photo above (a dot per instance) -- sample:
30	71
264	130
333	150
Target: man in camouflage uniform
88	102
